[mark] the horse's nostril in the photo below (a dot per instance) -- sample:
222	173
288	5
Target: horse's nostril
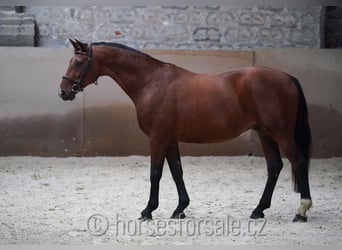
66	96
62	94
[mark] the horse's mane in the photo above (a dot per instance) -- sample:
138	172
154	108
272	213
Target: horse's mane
122	46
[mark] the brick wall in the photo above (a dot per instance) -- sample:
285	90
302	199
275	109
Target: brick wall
181	27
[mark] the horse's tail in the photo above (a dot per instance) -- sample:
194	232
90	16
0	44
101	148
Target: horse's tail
302	132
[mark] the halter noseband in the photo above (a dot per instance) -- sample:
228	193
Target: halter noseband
76	87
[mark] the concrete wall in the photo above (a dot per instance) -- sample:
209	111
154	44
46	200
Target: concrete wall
101	121
185	27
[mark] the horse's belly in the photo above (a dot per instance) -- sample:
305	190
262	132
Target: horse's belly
208	139
207	131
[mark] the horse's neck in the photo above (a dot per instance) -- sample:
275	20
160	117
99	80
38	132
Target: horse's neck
129	69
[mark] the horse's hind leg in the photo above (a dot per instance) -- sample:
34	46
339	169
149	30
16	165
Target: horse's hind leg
300	167
274	166
173	159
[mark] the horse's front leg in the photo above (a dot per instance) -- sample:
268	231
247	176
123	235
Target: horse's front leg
158	150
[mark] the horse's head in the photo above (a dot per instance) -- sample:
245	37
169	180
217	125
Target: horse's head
80	72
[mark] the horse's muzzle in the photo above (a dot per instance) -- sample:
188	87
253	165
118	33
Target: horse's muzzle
67	96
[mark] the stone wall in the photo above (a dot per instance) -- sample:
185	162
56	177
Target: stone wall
181	27
16	29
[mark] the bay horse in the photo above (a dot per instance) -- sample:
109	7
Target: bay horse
175	105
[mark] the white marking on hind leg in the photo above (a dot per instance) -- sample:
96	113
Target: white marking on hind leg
305	205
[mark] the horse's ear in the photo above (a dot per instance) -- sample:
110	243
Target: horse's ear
83	46
75	44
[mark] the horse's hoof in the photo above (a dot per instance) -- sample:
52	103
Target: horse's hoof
300	218
257	215
178	216
145	217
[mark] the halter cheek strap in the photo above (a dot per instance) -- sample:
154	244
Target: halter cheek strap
77	87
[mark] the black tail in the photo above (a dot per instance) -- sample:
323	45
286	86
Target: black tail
302	132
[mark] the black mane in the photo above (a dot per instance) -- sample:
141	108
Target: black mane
122	46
